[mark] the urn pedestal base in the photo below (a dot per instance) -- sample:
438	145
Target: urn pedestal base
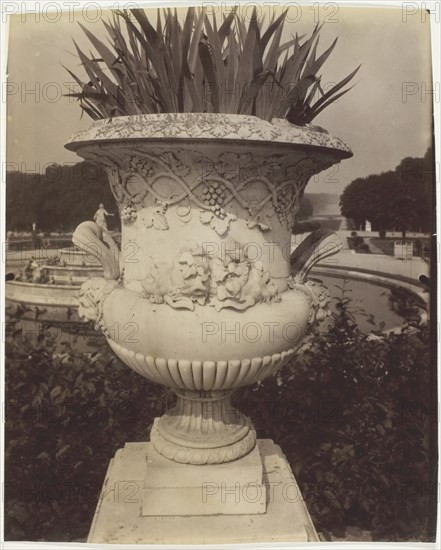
231	507
203	428
174	489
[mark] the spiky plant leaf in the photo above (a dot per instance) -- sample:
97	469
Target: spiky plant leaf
210	74
215	51
243	68
276	25
330	95
314	111
225	28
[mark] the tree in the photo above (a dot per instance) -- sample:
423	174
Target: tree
403	210
59	199
418	178
398	199
354	202
383	189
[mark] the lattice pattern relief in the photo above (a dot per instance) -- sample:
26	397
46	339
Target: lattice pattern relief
260	188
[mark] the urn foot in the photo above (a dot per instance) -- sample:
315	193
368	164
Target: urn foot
203	428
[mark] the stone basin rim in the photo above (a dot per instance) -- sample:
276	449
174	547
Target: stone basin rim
212	127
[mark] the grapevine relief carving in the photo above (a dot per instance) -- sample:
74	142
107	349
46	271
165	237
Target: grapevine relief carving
220	191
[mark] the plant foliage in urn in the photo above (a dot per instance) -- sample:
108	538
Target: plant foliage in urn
196	67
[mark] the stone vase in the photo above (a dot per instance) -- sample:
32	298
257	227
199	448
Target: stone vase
204	295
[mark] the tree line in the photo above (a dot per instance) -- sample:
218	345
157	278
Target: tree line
59	199
400	199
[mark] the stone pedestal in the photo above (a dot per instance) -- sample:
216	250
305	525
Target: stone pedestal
149	499
175	489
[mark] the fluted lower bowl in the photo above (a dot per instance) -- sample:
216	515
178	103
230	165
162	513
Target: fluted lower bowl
204	349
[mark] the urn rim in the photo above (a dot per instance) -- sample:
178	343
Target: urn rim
208	127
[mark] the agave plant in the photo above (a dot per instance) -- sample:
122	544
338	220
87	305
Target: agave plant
198	67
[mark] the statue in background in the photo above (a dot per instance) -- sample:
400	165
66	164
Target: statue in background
100	218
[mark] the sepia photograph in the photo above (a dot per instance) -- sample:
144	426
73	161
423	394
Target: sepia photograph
219	273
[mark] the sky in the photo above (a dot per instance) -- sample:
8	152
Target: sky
384	118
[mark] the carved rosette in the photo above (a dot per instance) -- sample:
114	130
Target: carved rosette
207	203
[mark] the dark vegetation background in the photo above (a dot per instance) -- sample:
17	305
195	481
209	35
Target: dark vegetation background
55	200
355	416
400	199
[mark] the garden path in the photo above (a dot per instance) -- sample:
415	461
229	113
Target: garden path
346	259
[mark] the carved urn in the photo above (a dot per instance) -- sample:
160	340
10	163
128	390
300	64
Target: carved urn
204	295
